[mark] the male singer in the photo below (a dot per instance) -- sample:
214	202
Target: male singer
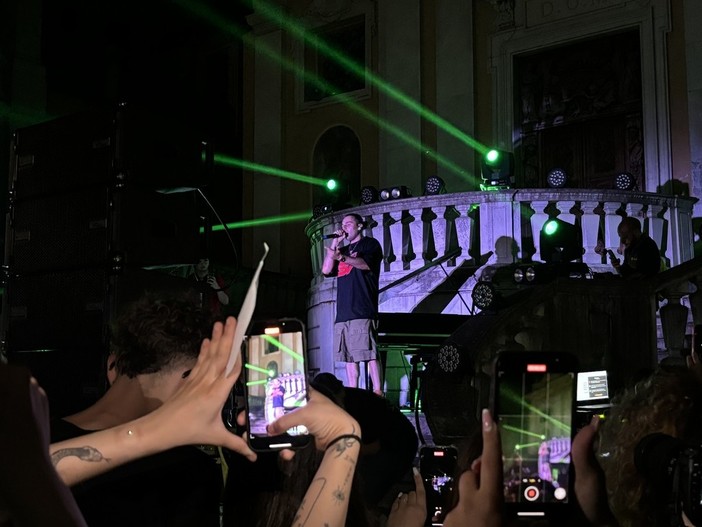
357	268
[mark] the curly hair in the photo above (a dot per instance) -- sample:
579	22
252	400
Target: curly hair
154	334
669	401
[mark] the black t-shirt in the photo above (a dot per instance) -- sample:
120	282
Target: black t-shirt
357	290
641	259
180	487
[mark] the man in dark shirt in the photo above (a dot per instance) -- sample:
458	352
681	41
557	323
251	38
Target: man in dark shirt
357	268
642	258
155	344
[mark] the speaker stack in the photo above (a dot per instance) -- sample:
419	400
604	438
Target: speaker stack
99	205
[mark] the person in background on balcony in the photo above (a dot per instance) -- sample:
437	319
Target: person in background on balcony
357	268
210	286
642	258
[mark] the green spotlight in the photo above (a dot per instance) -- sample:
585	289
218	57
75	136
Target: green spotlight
492	156
551	227
271	373
332	184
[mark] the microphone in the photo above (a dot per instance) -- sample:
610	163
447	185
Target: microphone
331	236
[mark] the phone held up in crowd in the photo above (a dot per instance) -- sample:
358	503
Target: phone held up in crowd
534	404
275	381
437	466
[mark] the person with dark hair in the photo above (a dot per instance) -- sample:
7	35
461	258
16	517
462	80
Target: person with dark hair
357	268
211	287
389	439
642	258
155	344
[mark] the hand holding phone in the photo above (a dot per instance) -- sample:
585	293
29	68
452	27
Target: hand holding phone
324	419
275	382
534	404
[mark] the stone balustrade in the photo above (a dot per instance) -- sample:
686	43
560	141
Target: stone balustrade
426	239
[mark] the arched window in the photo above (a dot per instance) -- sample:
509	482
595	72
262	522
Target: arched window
337	155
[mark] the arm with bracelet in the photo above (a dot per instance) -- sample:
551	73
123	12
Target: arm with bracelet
338	435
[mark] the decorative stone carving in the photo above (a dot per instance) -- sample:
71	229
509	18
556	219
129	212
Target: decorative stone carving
329	10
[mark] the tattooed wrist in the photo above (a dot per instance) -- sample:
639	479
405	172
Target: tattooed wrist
85	453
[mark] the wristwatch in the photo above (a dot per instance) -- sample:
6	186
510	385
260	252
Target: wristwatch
342	259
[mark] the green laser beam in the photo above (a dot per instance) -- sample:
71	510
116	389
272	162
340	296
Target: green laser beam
361	72
265	50
521	431
283	347
252	383
555	422
283	218
527	445
257	368
224	160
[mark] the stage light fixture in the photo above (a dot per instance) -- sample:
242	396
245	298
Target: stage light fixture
497	168
524	275
560	242
483	295
434	185
556	178
321	209
448	358
625	181
369	194
397	192
332	184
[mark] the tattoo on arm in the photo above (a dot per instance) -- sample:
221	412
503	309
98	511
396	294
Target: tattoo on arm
317	486
85	453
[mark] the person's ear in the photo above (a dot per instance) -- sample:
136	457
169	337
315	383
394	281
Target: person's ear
111	368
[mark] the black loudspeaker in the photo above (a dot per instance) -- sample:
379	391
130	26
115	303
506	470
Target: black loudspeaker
96	203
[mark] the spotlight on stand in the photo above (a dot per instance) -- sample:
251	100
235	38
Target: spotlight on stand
398	192
369	194
625	181
434	185
556	178
321	209
497	168
484	295
560	242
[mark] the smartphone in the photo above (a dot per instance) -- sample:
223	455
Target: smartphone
534	404
275	381
437	466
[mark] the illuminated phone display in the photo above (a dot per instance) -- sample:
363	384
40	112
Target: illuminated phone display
534	402
276	382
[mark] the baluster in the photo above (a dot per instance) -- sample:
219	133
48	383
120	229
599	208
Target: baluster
537	222
374	228
590	223
497	232
463	225
656	228
611	222
395	233
438	226
415	225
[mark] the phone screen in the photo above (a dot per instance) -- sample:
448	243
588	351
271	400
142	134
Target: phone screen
437	466
276	381
534	403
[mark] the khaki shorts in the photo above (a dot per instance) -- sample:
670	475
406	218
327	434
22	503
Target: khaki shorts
354	340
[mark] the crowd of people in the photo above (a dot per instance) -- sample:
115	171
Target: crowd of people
136	456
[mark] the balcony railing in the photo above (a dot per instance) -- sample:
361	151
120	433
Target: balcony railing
428	239
505	225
